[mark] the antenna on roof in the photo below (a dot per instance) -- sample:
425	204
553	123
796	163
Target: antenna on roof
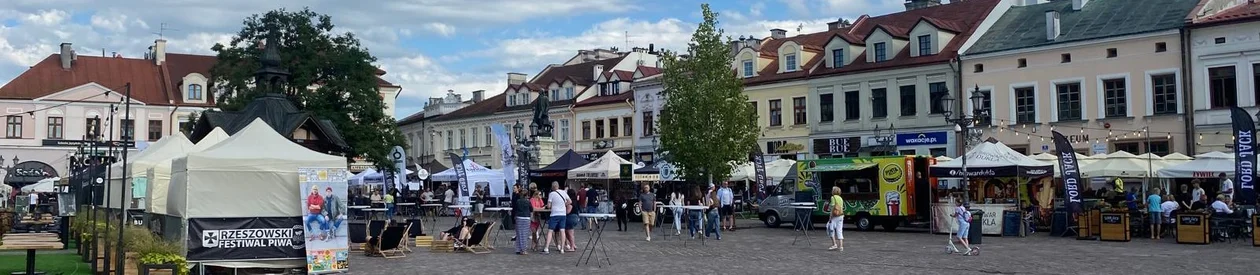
627	34
162	31
799	27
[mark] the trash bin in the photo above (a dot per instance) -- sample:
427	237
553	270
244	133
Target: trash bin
977	221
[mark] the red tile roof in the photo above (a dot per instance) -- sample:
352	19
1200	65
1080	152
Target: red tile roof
1248	11
770	49
648	71
965	16
607	99
180	65
491	105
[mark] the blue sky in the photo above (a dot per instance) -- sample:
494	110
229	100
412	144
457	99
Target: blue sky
427	46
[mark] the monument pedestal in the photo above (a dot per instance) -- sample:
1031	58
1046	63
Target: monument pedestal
545	151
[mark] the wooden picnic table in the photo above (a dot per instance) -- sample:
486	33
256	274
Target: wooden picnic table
31	242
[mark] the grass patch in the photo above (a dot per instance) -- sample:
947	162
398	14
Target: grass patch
50	264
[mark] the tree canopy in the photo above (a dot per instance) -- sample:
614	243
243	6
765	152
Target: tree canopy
332	77
705	124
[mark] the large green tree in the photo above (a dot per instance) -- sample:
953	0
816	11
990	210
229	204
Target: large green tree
705	124
332	77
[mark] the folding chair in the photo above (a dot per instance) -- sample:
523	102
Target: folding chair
476	242
391	242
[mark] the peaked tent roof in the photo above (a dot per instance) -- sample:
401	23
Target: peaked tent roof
565	163
1205	165
607	166
214	137
993	159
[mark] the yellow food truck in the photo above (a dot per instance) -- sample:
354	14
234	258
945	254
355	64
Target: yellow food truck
888	191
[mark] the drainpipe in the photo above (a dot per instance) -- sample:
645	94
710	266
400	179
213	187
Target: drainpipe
173	124
633	111
1187	86
955	64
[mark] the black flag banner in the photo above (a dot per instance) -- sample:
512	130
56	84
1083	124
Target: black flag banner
1070	171
1244	157
461	188
759	171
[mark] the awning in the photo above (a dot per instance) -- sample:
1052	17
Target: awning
841	167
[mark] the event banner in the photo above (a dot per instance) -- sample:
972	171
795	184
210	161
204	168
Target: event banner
509	157
399	156
1070	171
213	239
759	169
462	190
1244	157
324	204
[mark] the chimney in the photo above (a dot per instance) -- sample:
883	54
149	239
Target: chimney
919	4
1052	25
599	70
159	52
778	33
516	78
1078	4
652	48
478	95
67	55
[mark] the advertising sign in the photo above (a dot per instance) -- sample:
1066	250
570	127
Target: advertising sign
931	138
1244	157
213	239
324	220
833	146
891	196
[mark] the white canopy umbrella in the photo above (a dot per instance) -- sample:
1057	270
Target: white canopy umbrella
607	166
1175	159
1118	164
993	159
1205	165
41	186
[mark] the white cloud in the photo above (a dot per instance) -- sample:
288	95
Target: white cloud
111	20
440	28
45	17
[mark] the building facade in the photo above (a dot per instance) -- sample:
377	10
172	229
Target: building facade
421	138
1108	85
1224	66
878	86
605	116
649	102
774	71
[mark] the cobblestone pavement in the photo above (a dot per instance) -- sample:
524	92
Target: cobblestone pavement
757	250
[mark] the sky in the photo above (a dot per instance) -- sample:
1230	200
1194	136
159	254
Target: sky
426	46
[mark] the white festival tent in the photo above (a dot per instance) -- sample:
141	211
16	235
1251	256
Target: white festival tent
254	173
1205	165
1119	164
1175	159
993	159
160	175
776	170
605	167
47	185
138	167
476	174
1082	160
368	176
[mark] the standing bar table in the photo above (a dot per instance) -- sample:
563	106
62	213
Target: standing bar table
803	212
357	211
540	215
31	242
701	209
593	242
504	212
407	209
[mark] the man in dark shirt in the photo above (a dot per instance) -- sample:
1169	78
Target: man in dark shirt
592	205
647	204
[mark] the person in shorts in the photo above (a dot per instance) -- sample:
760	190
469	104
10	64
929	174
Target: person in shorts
559	203
1155	210
964	226
726	200
647	204
572	220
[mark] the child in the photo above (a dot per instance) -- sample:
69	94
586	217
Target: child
964	227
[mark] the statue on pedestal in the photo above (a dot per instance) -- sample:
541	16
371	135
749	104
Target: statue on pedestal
542	121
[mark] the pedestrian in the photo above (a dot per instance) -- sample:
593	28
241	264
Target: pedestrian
559	203
623	214
522	209
1227	186
592	206
964	227
536	202
694	216
1197	193
33	202
572	220
835	226
389	205
711	200
580	201
478	201
1168	206
726	199
647	204
676	203
1155	210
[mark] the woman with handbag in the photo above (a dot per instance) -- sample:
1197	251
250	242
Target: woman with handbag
835	226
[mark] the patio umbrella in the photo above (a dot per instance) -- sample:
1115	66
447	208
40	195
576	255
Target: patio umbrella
1118	164
1205	165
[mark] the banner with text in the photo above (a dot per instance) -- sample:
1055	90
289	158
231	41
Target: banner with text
461	175
213	239
1244	157
324	204
1070	171
509	157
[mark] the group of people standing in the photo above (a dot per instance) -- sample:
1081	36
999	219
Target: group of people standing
718	214
561	206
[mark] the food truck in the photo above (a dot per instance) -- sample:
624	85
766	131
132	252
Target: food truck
887	191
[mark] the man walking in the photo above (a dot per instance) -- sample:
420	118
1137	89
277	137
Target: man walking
647	204
559	203
592	206
726	198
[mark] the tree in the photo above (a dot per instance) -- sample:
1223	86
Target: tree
705	125
332	77
192	120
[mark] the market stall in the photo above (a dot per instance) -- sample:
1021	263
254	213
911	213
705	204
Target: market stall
479	175
558	171
135	178
1000	180
159	179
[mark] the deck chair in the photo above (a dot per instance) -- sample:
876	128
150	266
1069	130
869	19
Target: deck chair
477	241
391	242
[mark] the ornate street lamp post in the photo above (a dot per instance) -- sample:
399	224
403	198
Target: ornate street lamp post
964	123
886	144
523	156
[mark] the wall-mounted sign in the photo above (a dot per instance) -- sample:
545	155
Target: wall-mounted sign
930	138
86	143
830	146
29	172
603	144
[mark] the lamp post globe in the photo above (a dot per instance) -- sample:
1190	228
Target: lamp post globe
977	100
947	104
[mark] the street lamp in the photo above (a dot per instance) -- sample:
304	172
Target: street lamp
8	170
963	123
885	141
524	143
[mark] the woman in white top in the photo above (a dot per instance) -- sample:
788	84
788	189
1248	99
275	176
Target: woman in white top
676	203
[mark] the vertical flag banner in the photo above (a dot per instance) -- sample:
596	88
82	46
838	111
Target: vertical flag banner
1244	157
324	218
505	149
1070	171
759	170
462	191
399	156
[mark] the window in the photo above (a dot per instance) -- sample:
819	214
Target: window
568	92
463	139
194	92
936	152
1023	62
56	128
798	111
936	91
184	123
881	52
128	129
649	128
92	128
987	104
489	136
1255	79
511	100
564	130
450	140
837	58
586	130
616	87
1025	105
1223	85
627	126
879	102
599	128
1159	148
826	108
155	130
13	127
1164	89
1112	52
1069	97
908	101
612	127
851	105
790	62
474	136
776	112
748	68
925	45
1114	98
1131	147
555	94
1065	58
1161	47
979	68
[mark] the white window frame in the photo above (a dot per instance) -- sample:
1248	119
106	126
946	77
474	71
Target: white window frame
1102	97
790	62
1054	96
1150	89
748	67
1011	100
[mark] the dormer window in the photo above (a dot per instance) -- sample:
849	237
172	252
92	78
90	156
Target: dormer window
195	92
925	45
511	100
568	93
881	52
837	58
790	60
748	68
555	94
616	87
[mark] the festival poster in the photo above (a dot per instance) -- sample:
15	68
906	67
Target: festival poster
324	219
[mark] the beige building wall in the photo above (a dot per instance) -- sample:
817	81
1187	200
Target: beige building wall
789	131
1136	60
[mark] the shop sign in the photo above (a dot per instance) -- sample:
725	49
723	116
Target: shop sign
87	143
831	146
30	171
930	138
